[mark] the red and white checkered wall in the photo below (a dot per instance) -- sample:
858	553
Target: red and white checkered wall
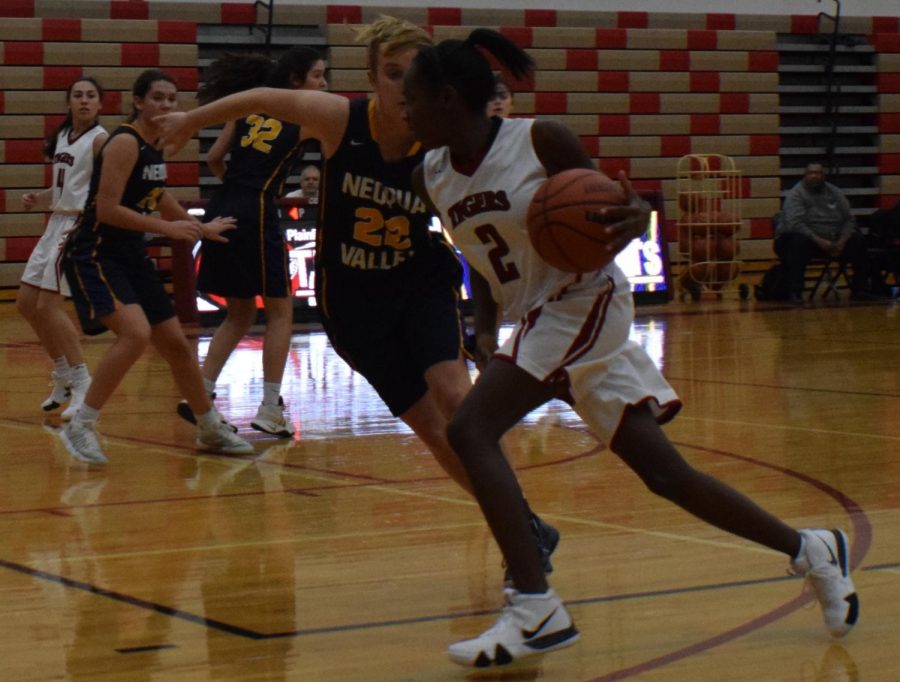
641	89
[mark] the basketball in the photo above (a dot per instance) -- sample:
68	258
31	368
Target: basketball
564	221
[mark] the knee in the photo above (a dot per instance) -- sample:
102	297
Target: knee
136	335
451	397
45	305
462	435
241	316
174	348
25	306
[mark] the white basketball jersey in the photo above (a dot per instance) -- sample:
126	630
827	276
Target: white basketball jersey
485	215
72	166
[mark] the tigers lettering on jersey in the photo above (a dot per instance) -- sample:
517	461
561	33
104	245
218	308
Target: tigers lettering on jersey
65	158
481	202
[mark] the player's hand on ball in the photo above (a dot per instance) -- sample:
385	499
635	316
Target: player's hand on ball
626	222
214	228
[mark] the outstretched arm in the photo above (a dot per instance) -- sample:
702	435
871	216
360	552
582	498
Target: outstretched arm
322	115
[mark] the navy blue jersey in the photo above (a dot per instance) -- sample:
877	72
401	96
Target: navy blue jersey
143	190
372	223
262	153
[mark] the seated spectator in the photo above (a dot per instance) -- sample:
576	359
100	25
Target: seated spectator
309	184
816	222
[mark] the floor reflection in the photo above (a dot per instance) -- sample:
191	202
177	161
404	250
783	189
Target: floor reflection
325	398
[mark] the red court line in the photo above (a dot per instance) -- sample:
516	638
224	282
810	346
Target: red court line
862	540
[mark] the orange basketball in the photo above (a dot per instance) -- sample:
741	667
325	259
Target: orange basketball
564	221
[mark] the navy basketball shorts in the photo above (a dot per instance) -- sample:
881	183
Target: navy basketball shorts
254	262
99	281
393	334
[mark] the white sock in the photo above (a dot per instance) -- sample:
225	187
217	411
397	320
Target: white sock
86	413
208	420
61	367
209	385
80	373
271	393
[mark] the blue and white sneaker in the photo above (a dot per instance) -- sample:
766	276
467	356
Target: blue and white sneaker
824	560
530	624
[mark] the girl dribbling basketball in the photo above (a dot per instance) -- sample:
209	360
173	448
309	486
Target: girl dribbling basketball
571	342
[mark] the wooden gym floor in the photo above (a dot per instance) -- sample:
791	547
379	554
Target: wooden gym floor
344	554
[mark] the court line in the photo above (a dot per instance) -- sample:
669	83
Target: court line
781	387
248	633
862	534
862	539
788	427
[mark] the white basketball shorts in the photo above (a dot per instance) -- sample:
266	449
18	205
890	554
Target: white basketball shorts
581	338
44	267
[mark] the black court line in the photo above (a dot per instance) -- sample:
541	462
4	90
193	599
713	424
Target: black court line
247	633
882	567
130	600
142	649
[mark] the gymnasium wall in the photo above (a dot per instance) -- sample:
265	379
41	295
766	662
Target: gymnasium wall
640	88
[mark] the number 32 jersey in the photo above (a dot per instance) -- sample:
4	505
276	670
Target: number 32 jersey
485	213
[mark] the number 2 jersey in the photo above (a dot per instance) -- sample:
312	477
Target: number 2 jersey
142	192
485	214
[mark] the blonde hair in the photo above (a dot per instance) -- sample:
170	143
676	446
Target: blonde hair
387	36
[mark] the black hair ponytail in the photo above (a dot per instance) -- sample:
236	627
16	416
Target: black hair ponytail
460	64
234	72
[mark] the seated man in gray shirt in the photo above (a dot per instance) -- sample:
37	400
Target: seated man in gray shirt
816	222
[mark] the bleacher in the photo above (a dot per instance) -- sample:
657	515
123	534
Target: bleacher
640	89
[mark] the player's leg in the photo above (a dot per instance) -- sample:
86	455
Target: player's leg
132	332
213	433
27	304
270	417
821	555
429	422
534	620
239	317
641	443
66	339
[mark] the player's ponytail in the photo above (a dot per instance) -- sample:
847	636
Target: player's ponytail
234	73
461	65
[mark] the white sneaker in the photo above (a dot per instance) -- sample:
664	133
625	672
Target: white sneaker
78	390
59	394
529	624
221	438
824	561
272	419
80	439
